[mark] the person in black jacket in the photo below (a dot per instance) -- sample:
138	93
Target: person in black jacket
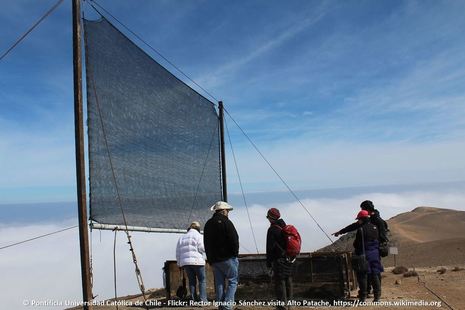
222	248
366	242
376	219
280	267
383	230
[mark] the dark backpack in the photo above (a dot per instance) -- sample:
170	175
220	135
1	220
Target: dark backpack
293	240
382	227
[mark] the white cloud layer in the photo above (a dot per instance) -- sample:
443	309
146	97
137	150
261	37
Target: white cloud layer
49	268
305	164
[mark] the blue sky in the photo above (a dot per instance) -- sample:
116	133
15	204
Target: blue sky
335	93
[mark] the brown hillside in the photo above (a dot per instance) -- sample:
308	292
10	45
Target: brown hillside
426	224
425	236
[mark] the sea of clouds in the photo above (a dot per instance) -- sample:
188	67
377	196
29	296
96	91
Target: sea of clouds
49	268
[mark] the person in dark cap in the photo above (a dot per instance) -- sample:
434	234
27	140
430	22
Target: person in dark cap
366	242
376	219
383	230
279	266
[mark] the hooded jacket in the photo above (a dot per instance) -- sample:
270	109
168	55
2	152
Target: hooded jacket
190	249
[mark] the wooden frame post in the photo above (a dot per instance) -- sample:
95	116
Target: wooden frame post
80	164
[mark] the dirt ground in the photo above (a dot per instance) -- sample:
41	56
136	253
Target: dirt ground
429	290
429	286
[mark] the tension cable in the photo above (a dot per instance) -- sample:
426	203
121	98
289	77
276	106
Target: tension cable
242	188
279	176
38	237
30	29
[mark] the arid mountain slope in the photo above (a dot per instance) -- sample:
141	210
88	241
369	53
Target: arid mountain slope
426	224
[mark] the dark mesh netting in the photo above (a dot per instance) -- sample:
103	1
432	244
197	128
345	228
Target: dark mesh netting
153	141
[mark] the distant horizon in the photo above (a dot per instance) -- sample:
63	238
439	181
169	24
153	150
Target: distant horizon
317	190
55	211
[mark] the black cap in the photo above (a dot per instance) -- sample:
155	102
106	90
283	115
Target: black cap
367	205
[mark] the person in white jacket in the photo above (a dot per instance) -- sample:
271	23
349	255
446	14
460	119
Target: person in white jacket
190	256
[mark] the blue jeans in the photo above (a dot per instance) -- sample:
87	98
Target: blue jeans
227	270
193	273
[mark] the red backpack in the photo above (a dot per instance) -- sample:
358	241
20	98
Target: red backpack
293	240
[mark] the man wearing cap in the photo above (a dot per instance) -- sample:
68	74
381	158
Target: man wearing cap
280	268
222	247
189	255
366	242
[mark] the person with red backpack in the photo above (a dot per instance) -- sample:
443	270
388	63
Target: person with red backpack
282	246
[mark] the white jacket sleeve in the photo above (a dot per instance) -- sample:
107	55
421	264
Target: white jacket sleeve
200	246
178	253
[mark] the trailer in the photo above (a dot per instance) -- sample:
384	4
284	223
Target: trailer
317	276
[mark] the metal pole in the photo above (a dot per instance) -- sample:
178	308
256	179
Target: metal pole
80	165
223	154
112	227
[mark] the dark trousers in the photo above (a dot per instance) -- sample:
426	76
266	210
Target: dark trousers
374	280
283	290
370	281
282	276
